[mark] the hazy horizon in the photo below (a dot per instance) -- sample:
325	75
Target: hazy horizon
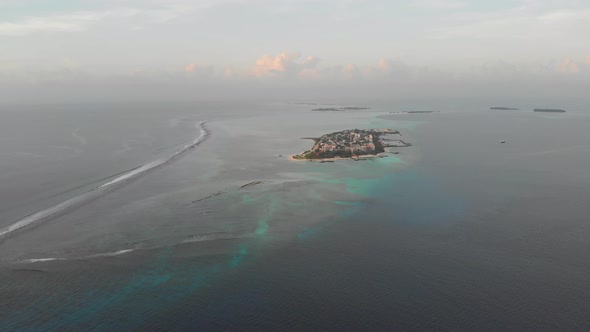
76	51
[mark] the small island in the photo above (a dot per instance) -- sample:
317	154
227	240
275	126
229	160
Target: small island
339	109
549	110
353	108
351	144
504	108
415	112
327	109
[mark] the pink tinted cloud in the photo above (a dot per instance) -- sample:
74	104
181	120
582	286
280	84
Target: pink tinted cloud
311	61
351	71
568	66
286	65
385	65
190	68
309	73
271	66
228	72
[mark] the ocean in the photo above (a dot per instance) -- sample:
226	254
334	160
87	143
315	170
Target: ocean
190	216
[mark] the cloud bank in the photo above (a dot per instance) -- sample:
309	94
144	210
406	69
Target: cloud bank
291	76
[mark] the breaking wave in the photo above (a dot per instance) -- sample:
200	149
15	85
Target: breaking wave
205	237
54	211
51	259
40	260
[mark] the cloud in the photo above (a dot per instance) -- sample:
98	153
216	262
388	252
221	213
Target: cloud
310	70
228	72
514	27
311	61
58	23
440	4
351	71
199	71
309	73
568	66
190	68
385	65
559	16
499	69
386	69
273	66
389	67
291	65
286	65
82	20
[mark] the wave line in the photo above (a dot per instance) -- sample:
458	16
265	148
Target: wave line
76	201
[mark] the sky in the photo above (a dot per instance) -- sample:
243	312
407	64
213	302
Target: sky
60	49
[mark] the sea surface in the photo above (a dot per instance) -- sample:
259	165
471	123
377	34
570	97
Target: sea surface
190	216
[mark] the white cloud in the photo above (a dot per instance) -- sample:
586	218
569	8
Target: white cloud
560	16
82	20
36	25
56	23
527	22
440	4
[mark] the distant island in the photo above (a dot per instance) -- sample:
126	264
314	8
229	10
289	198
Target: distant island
415	112
339	109
351	143
504	108
327	109
352	108
549	110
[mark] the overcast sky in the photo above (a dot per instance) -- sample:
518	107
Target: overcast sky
229	42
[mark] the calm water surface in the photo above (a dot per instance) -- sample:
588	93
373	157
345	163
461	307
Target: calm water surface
457	232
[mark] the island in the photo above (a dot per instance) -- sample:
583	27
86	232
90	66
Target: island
351	144
504	108
353	108
549	110
339	109
327	109
415	112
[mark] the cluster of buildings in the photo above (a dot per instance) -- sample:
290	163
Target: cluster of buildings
348	143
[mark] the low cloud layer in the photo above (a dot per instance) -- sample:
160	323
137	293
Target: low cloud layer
286	65
291	76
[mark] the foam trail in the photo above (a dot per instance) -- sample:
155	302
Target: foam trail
53	211
112	254
134	173
52	259
39	260
204	134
